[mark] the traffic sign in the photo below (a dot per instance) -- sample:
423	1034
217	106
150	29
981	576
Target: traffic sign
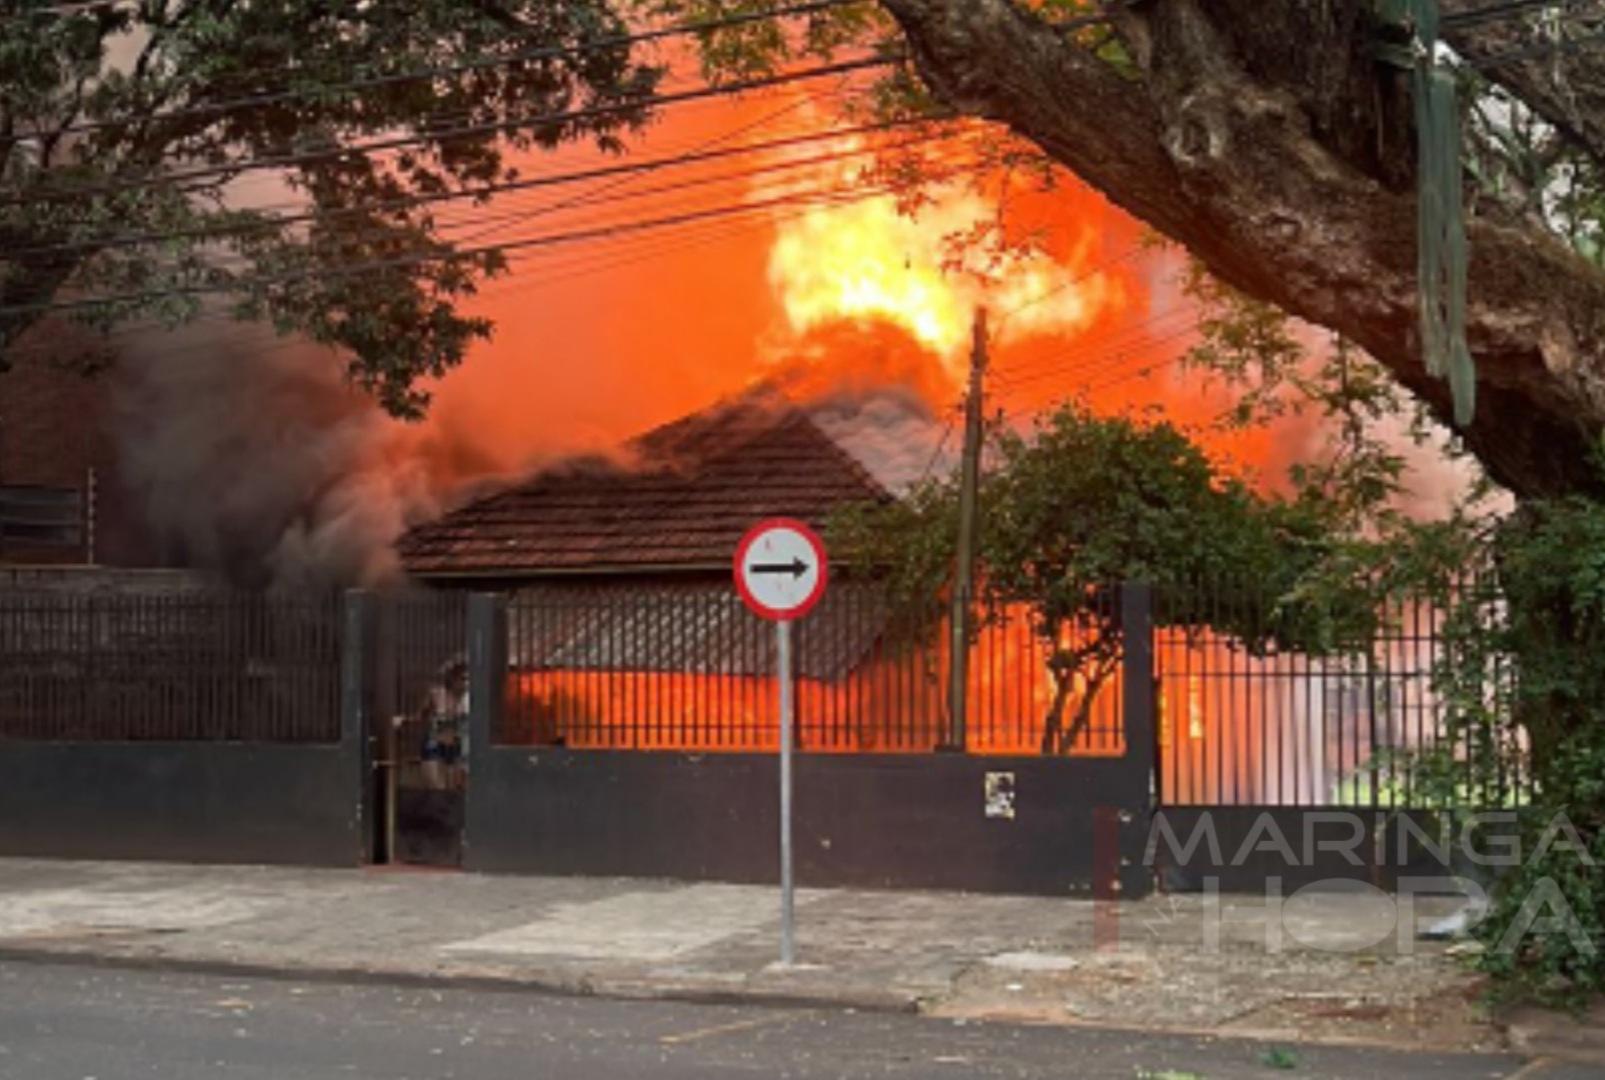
781	569
781	572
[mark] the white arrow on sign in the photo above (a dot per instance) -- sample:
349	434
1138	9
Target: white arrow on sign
781	569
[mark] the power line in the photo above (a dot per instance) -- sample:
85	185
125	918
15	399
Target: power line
1534	52
1079	279
670	242
546	240
936	454
1054	364
554	52
701	147
1113	353
602	199
1491	12
670	148
473	194
1114	348
1147	370
588	198
678	238
234	169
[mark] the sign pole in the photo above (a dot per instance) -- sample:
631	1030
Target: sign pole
788	952
781	569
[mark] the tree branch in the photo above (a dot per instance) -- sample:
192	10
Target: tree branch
1220	145
1566	88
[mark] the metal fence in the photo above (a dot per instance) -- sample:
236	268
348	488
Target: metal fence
418	638
191	666
1239	726
687	667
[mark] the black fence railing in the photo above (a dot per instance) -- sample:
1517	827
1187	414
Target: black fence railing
418	670
190	666
687	667
1267	727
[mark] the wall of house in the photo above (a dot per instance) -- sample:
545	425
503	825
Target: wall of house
682	666
56	438
51	439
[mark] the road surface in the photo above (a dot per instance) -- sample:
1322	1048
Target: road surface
90	1023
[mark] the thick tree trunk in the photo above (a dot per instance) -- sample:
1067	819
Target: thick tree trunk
1266	139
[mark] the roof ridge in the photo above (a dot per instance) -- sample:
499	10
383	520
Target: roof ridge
696	484
859	470
761	409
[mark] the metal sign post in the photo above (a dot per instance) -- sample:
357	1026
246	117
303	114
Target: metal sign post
780	571
788	906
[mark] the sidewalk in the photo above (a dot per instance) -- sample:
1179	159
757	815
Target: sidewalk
955	955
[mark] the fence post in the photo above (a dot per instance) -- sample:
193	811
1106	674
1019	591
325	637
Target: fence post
487	686
1137	678
1125	830
356	641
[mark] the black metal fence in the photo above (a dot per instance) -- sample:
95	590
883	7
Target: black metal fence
192	666
418	638
688	667
1241	726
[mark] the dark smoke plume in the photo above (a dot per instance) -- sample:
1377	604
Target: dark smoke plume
252	456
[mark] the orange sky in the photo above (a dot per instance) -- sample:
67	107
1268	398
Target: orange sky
598	341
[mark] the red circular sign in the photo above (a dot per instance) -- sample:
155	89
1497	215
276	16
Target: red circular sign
781	569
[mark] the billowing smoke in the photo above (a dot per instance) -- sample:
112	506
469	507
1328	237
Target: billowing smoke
893	433
251	456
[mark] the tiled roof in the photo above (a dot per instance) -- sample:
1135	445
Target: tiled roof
693	487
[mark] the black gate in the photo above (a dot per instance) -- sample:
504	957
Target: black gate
418	717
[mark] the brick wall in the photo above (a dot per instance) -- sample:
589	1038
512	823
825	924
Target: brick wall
52	432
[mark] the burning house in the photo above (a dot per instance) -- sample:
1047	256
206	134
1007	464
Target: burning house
625	632
670	508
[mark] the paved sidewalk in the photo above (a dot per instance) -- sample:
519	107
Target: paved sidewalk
1337	974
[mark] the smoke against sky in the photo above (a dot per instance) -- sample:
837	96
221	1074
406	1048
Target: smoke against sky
253	456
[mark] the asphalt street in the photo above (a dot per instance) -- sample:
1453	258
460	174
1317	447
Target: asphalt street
91	1023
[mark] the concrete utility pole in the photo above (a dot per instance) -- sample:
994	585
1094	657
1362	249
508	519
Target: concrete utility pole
964	573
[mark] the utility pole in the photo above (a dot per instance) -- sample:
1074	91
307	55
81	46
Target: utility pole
964	572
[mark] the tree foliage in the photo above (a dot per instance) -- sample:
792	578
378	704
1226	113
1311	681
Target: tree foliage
1080	504
134	140
1521	595
1523	599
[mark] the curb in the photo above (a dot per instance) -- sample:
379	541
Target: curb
1578	1039
544	983
550	984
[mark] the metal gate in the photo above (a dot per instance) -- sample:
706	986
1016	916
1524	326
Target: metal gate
417	689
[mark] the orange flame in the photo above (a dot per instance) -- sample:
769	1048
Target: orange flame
869	262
